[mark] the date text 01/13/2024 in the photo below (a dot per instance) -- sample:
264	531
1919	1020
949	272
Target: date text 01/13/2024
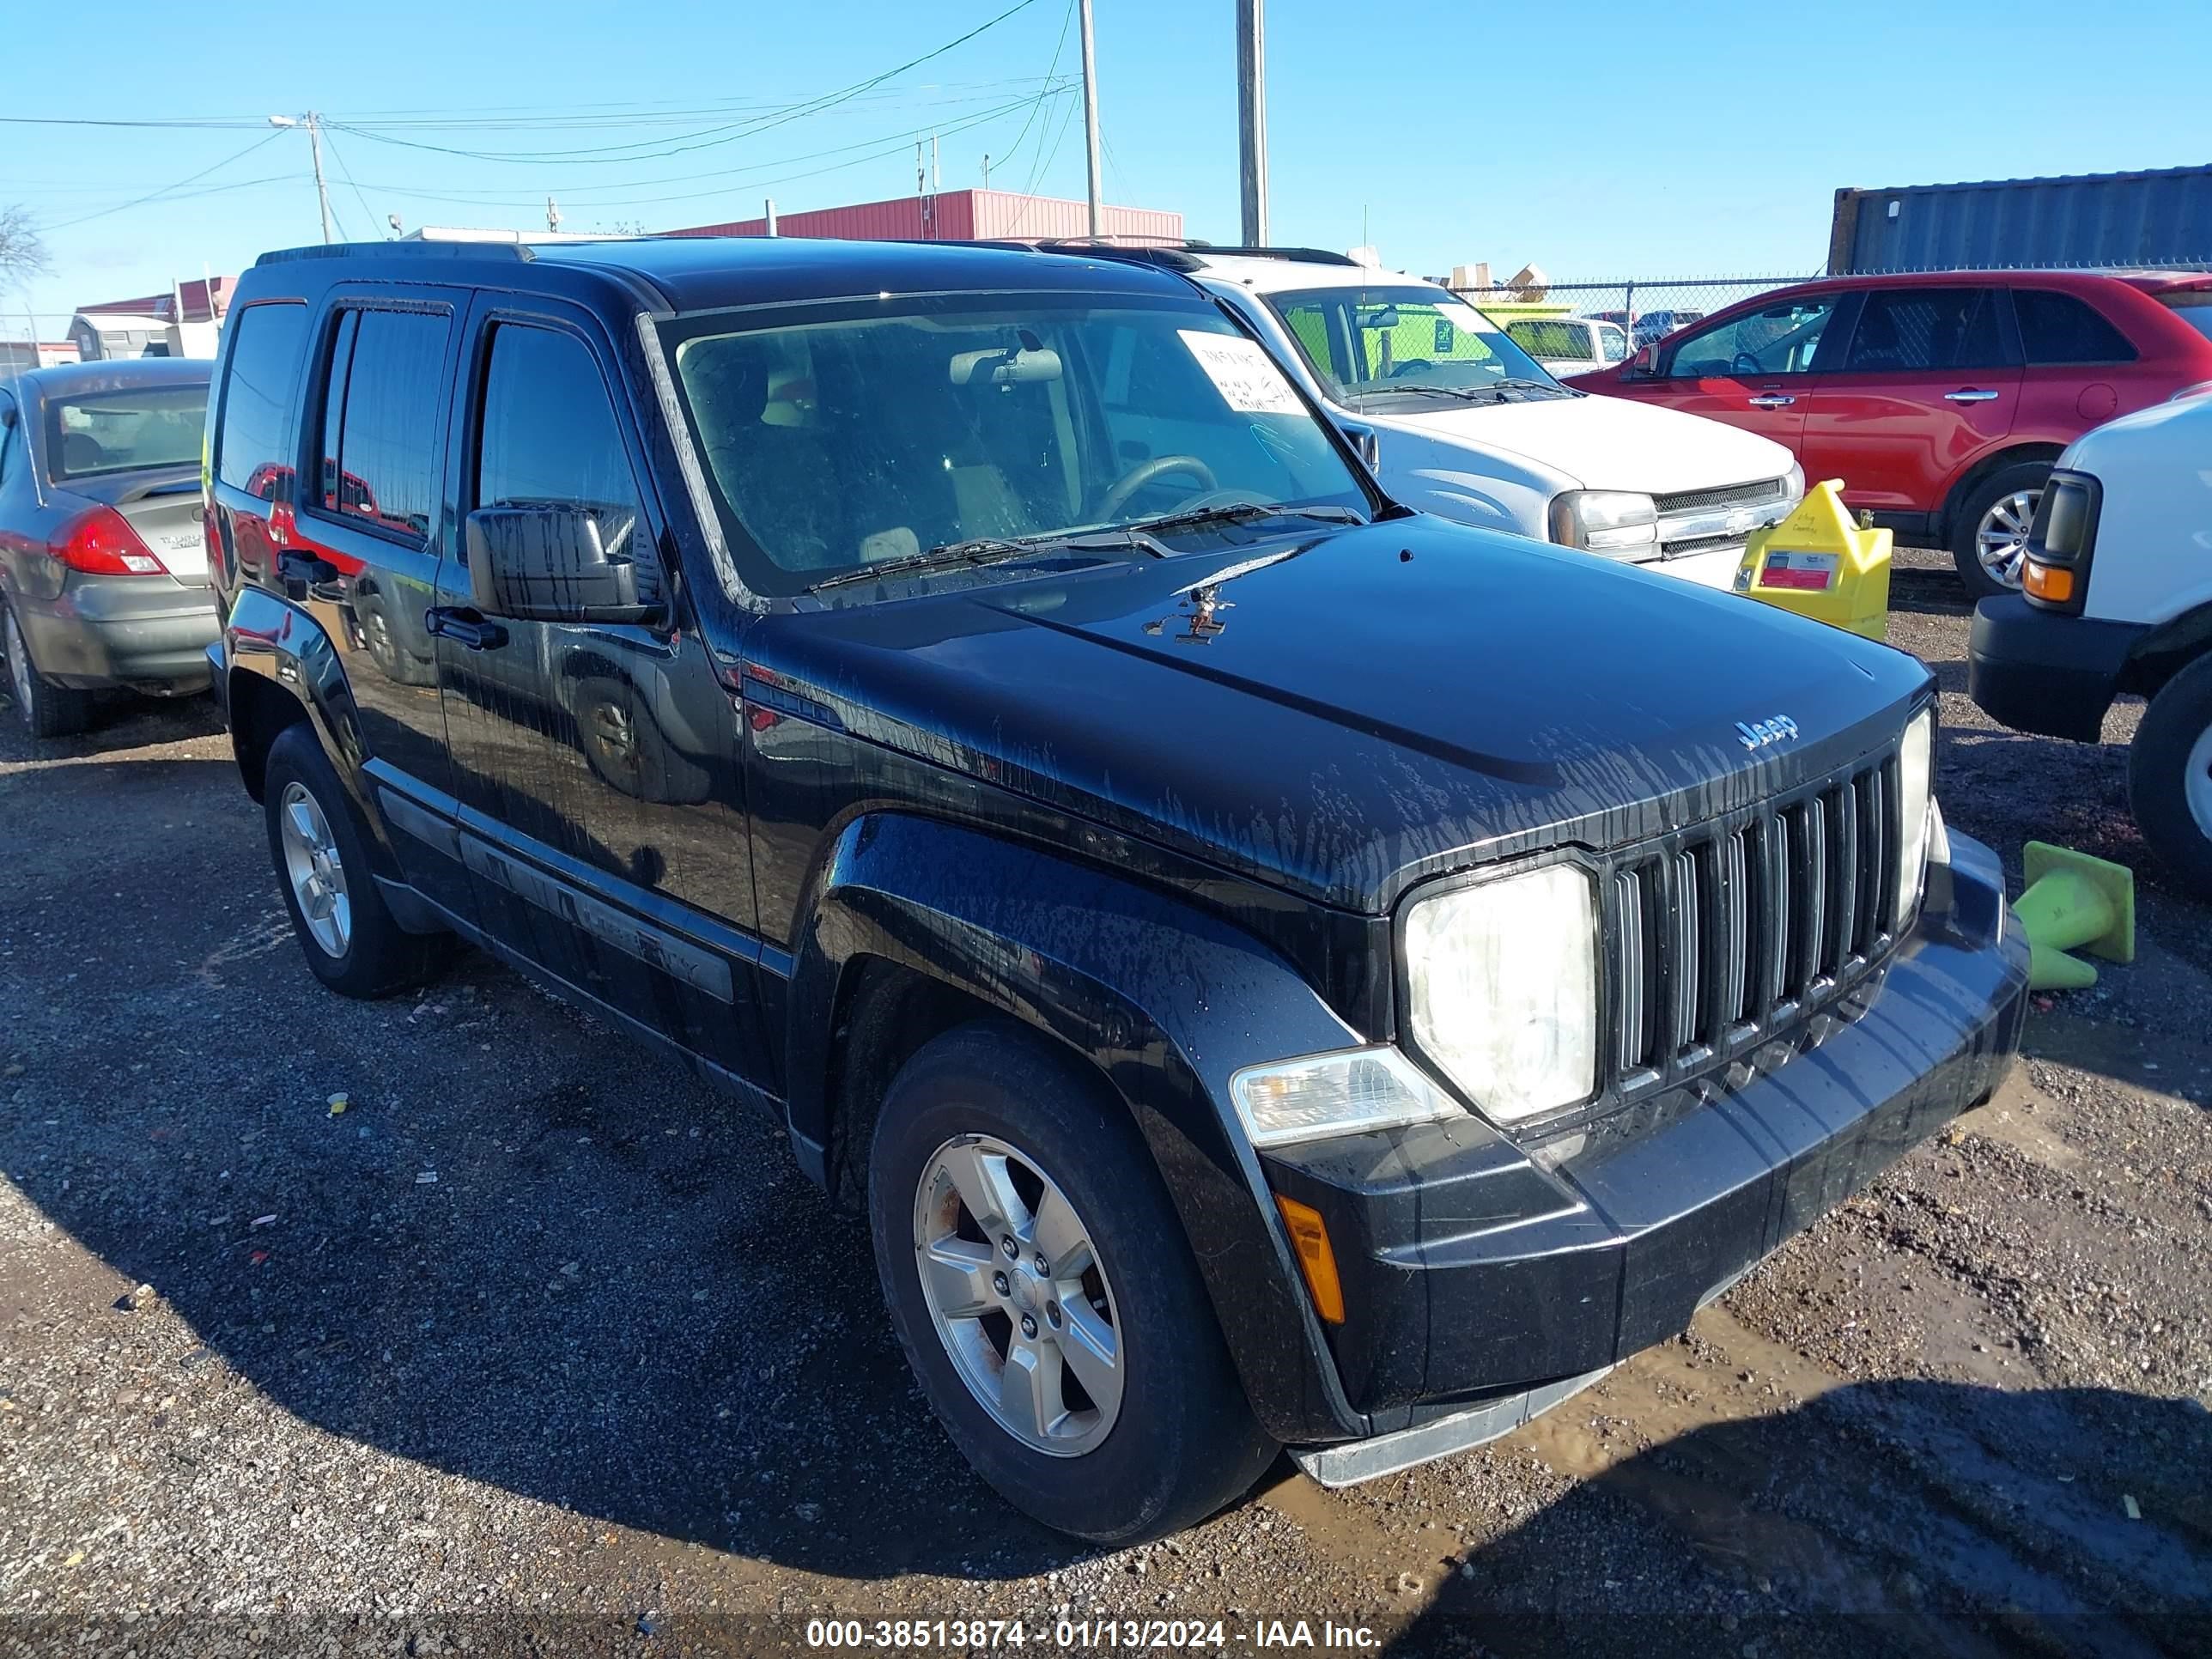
1166	1635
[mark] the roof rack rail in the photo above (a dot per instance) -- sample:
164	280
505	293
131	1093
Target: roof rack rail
1173	256
426	248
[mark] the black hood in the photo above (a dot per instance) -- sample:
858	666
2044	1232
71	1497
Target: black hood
1355	709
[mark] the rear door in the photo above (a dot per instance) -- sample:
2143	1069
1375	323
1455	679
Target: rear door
371	548
1929	379
1753	370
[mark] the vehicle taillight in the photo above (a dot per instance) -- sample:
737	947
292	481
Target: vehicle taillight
101	543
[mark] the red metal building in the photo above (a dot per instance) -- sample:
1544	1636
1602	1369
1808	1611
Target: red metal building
959	216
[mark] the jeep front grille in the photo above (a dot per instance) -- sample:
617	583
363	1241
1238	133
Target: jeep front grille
1730	930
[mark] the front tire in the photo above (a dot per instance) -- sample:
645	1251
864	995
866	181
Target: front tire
352	941
46	710
1039	1279
1990	526
2170	776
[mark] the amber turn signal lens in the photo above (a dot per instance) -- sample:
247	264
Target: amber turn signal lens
2050	583
1316	1258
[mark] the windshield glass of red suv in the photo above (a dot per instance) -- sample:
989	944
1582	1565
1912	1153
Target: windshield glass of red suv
836	437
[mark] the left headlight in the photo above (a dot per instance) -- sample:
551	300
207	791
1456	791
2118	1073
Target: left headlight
1615	522
1915	800
1502	988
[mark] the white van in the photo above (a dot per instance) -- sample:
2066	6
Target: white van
2117	596
1458	421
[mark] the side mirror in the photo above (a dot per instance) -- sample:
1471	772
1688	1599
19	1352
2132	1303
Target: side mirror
1645	363
1367	442
555	563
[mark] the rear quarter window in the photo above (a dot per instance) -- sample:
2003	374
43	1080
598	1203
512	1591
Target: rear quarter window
256	433
2063	328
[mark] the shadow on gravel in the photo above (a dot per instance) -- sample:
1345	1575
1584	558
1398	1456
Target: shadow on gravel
1899	1517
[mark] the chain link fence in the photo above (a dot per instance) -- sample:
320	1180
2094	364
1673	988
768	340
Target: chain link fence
1548	320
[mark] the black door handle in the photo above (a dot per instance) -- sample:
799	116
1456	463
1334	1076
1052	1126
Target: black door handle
465	627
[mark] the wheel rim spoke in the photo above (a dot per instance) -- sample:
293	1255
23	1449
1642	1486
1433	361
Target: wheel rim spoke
1093	1351
987	1188
1059	1236
1028	1390
959	1273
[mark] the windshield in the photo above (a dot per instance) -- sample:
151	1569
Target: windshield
838	437
2193	305
124	430
1399	341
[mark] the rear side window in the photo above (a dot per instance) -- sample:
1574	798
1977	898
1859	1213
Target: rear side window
1927	328
387	374
256	449
2061	328
548	437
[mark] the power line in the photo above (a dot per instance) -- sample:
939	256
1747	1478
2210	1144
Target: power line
346	173
706	139
165	190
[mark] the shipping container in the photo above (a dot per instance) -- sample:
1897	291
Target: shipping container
2160	218
959	216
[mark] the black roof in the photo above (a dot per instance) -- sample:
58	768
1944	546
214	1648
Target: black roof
701	273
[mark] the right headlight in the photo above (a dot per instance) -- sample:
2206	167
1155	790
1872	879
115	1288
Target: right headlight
1916	804
1502	988
1615	522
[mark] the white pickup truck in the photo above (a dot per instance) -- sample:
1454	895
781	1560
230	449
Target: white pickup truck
2116	596
1458	421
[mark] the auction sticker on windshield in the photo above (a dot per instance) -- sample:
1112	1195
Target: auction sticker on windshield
1242	373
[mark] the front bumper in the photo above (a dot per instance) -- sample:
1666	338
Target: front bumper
2045	671
1485	1278
149	633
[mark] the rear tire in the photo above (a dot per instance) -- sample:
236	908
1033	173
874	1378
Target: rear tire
352	941
1163	1435
2001	503
2170	776
46	710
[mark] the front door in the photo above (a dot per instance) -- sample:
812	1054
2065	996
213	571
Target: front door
1753	370
596	763
1929	380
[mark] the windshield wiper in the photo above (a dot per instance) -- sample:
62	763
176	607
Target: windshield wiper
1465	393
1510	384
1237	512
999	550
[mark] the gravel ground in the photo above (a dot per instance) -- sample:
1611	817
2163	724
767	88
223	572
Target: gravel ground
537	1347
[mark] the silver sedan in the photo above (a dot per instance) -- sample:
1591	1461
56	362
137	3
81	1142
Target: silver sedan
103	560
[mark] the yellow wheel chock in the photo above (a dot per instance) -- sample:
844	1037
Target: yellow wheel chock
1819	564
2073	902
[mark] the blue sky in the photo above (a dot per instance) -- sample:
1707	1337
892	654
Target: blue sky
1599	140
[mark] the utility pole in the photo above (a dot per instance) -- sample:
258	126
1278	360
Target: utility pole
552	216
1090	115
313	122
986	170
769	228
1252	117
935	182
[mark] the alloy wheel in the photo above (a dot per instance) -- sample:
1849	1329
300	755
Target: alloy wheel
19	667
2196	782
316	872
1018	1295
2000	538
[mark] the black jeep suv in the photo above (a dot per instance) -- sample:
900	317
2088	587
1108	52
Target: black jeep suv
1276	969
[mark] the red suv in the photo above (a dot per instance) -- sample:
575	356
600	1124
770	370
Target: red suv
1940	399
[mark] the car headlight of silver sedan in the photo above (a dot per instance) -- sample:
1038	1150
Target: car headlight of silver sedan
1502	988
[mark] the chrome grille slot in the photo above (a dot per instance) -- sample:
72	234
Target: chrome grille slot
1727	932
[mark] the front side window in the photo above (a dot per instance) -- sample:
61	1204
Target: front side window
546	436
1927	330
1402	342
2063	328
380	406
863	434
256	439
1777	339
